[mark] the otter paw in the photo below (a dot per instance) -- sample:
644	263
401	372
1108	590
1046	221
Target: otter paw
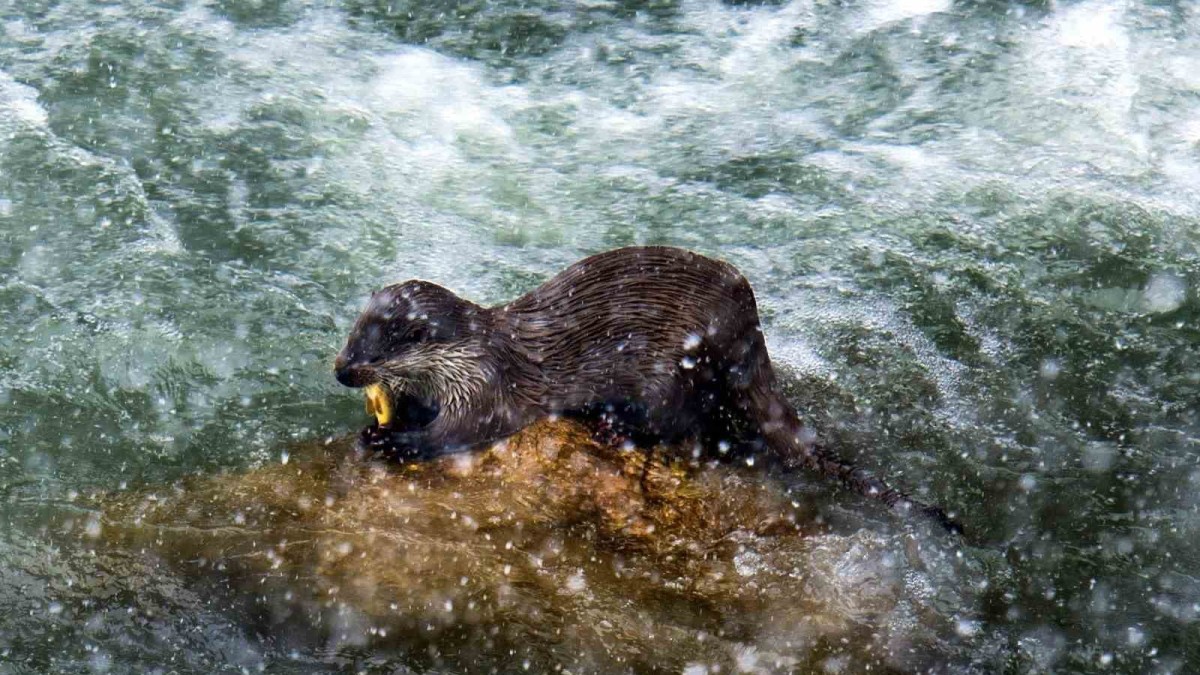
398	444
372	437
608	429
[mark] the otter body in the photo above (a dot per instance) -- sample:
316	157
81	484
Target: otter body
664	341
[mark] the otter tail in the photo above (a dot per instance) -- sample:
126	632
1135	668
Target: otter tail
796	446
815	456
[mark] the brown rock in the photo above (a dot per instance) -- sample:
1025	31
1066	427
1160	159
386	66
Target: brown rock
548	549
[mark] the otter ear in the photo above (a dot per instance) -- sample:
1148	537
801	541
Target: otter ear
419	331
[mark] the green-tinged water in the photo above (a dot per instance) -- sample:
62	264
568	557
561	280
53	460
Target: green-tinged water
971	226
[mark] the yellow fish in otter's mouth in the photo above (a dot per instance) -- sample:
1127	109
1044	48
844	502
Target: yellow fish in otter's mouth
378	403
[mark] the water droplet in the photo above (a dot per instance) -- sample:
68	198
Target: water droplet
576	582
1049	369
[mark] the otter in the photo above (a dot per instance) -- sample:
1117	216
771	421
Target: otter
663	343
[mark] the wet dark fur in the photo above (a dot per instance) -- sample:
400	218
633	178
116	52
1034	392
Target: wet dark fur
665	340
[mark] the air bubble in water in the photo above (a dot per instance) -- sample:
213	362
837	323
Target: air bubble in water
1049	369
966	627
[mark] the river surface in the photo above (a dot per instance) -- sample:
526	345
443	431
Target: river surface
972	228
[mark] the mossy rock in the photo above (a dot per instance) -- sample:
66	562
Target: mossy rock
549	548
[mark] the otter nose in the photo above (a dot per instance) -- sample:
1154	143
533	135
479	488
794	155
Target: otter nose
351	374
354	376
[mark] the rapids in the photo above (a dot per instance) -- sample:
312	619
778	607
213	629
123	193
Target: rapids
972	229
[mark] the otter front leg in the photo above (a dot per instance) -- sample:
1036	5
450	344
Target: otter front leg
404	445
446	434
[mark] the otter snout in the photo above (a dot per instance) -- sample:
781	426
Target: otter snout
353	373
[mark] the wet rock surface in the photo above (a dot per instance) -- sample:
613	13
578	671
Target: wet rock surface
549	551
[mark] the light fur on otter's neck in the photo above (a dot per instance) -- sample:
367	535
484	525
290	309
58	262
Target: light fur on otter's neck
450	374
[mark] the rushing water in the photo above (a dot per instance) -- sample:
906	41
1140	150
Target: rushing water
972	228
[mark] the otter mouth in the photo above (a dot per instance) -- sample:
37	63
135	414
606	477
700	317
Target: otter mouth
398	411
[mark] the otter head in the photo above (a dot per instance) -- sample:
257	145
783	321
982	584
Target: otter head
419	341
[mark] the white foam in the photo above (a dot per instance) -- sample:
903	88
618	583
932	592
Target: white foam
447	98
19	108
1165	292
883	12
796	353
1091	25
1082	66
